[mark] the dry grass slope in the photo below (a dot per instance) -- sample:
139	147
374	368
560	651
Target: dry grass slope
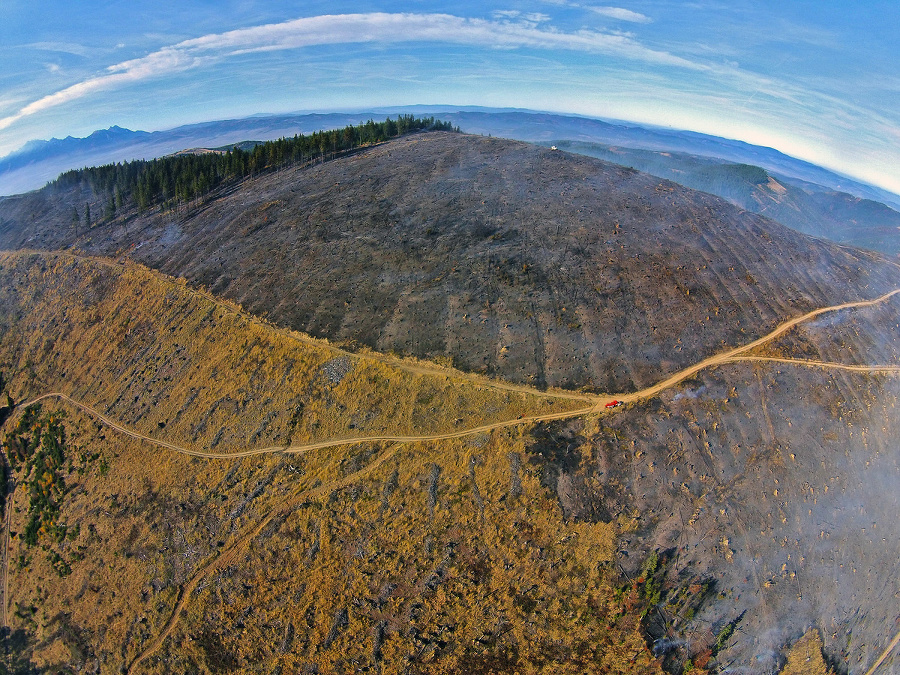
442	556
174	364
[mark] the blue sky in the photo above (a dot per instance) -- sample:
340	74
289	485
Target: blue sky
817	80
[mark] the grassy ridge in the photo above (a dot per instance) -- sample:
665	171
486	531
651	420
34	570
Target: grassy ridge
177	365
446	556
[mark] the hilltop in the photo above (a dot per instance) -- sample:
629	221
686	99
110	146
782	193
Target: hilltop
513	260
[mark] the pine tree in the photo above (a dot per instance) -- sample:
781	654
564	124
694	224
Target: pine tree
87	216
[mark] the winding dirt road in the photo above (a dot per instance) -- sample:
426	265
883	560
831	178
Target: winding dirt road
733	354
737	354
306	447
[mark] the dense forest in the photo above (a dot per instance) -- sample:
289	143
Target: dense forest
181	178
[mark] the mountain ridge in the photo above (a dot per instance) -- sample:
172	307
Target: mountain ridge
516	124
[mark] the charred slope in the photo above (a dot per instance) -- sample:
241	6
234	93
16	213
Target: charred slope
750	486
767	493
533	265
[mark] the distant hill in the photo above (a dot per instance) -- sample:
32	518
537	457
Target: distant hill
803	206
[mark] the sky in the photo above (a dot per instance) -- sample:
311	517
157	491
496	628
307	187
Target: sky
816	80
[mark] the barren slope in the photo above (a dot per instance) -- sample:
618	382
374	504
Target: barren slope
532	265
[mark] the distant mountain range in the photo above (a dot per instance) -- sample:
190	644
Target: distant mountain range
799	194
39	162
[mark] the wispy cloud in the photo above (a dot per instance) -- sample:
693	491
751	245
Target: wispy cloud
62	47
531	17
619	13
510	32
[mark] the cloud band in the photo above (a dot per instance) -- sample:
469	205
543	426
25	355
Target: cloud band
346	29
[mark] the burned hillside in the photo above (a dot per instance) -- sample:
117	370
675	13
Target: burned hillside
514	260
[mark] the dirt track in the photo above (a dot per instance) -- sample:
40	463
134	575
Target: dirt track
809	363
738	352
730	356
887	651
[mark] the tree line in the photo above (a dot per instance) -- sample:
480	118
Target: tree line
182	178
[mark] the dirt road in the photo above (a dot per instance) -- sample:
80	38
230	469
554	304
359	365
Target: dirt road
810	363
884	654
733	355
305	447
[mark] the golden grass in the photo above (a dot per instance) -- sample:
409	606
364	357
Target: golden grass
805	656
418	554
176	365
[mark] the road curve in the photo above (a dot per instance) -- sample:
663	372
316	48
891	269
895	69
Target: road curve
733	355
306	447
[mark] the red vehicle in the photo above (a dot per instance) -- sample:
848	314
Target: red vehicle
614	404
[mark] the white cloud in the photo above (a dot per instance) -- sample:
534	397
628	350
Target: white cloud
64	47
354	28
531	17
619	13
